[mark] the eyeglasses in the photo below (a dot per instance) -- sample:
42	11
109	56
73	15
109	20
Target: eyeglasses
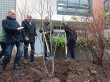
46	19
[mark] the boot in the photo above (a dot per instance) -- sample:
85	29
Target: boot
25	61
2	69
16	67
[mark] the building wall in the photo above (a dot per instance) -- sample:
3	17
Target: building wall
97	6
109	5
34	8
5	6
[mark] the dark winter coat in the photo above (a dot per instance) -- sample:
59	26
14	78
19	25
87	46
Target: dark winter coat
10	26
29	30
70	34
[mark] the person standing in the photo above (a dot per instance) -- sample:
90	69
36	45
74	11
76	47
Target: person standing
71	36
30	35
14	36
2	42
47	29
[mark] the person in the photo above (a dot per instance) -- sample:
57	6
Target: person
71	36
14	36
2	42
30	35
47	28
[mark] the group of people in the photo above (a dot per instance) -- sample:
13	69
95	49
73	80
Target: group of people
14	34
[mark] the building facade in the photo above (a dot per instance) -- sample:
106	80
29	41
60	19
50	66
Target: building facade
5	6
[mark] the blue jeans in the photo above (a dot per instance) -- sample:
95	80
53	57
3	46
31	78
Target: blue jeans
26	50
8	52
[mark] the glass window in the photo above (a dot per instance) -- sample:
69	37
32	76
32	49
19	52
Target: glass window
61	9
62	2
84	3
106	5
81	11
71	7
73	3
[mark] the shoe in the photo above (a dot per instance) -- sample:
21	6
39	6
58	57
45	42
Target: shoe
48	58
32	60
25	61
2	69
16	67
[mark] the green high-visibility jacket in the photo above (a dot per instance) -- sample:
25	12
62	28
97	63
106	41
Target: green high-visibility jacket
3	36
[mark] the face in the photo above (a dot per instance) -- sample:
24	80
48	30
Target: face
46	19
64	24
11	14
29	18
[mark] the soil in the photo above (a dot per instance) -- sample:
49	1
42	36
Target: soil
65	71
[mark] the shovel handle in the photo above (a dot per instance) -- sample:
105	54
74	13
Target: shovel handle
65	45
46	42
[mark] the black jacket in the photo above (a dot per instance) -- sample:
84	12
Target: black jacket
70	34
29	30
10	25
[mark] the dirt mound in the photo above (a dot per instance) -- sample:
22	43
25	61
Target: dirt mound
50	80
71	71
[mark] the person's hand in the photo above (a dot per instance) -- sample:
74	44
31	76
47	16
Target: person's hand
42	29
45	33
35	37
26	38
20	28
66	44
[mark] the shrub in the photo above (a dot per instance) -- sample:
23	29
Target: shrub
59	40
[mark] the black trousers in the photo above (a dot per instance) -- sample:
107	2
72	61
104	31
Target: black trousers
3	46
71	48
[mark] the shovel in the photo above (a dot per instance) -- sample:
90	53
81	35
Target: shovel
48	51
66	54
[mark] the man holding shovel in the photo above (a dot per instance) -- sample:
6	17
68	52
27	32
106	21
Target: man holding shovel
71	36
46	30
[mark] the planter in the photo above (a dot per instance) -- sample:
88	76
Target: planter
80	52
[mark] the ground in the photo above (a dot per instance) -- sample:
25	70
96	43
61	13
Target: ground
70	71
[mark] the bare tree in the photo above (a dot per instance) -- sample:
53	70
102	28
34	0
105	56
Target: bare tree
94	38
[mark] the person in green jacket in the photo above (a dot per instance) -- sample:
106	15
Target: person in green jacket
2	42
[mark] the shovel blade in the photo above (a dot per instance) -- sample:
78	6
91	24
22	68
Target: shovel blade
48	58
67	59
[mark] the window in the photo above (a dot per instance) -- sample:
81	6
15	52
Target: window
62	2
73	7
106	5
70	9
73	3
84	3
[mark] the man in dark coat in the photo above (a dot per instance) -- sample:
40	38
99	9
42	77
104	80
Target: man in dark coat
47	28
30	35
71	36
14	36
